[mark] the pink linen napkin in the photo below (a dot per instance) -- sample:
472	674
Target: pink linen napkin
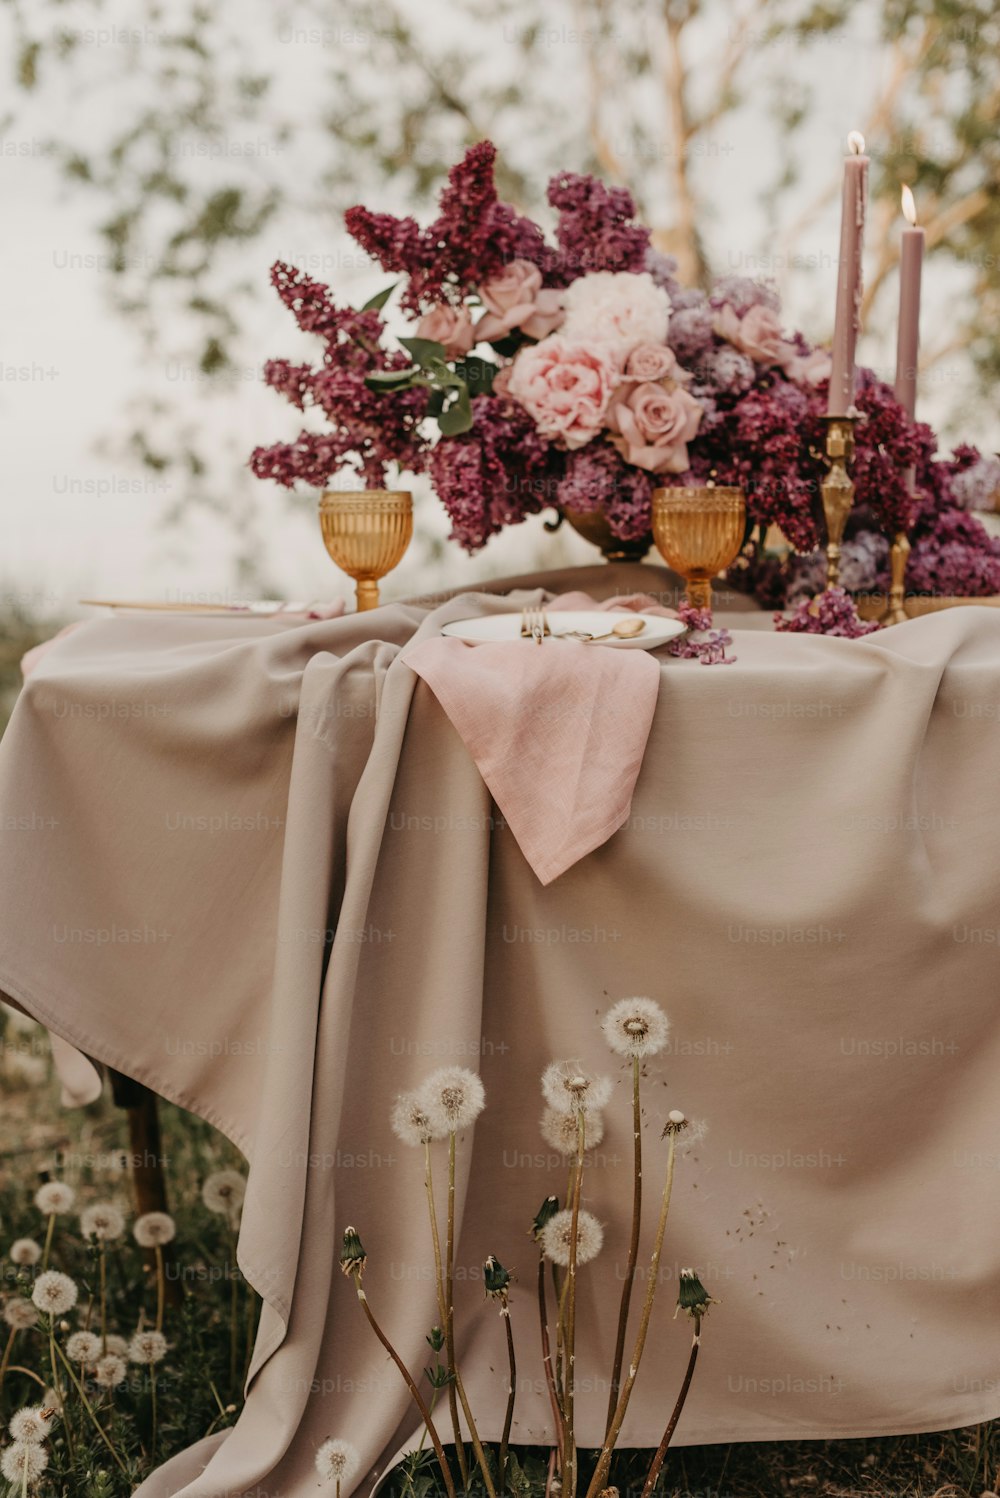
558	731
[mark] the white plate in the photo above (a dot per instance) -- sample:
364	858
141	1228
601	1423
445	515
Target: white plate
488	627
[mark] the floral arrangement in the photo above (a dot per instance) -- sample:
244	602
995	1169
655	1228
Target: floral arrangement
567	1237
577	372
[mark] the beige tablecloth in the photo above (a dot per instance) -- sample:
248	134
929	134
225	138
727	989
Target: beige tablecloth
251	864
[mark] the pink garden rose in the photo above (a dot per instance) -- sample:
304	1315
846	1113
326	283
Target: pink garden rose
564	387
517	299
653	424
757	333
451	326
649	362
808	369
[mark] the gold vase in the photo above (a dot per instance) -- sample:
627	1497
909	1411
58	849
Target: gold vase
366	532
594	526
699	531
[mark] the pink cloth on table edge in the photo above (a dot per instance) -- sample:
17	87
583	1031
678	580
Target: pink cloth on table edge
565	791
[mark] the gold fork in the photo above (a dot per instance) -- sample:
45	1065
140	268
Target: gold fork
534	625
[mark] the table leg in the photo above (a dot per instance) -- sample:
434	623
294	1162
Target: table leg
146	1160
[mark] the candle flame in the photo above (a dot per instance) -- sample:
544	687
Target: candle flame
856	141
909	206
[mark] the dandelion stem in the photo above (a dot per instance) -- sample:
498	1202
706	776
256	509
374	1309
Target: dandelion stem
633	1246
550	1378
5	1360
234	1311
90	1411
600	1477
449	1315
161	1285
569	1455
57	1382
511	1395
661	1450
104	1297
28	1373
152	1396
415	1393
50	1228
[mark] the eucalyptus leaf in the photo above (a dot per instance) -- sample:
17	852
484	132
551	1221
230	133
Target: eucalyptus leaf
390	378
378	301
458	416
424	350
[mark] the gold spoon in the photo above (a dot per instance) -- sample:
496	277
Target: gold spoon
623	629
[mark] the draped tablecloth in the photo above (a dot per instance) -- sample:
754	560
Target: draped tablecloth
251	864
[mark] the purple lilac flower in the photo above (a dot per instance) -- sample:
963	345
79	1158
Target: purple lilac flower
690	331
742	293
977	487
496	474
727	370
597	477
830	613
596	228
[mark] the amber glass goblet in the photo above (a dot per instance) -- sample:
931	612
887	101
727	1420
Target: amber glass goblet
366	532
698	531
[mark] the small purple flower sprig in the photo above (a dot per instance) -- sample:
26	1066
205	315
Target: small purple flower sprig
710	651
829	613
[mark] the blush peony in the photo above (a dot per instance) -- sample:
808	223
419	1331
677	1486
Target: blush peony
565	387
617	308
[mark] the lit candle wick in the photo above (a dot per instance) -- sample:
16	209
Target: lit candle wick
856	143
909	206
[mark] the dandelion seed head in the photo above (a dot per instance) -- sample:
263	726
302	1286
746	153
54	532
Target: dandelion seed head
25	1251
453	1097
636	1028
559	1130
19	1315
54	1292
154	1228
31	1424
337	1460
147	1347
110	1370
557	1237
83	1347
224	1192
54	1198
23	1459
411	1121
569	1086
102	1221
115	1343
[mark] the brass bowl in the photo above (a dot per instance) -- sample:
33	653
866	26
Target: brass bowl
366	532
699	531
594	526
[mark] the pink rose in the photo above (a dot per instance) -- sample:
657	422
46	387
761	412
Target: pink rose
808	369
757	333
516	299
501	380
654	424
649	362
451	326
564	387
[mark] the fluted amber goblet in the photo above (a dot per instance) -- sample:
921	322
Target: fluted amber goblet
366	532
698	531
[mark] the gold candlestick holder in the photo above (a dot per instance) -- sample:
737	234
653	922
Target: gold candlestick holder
837	490
366	532
899	555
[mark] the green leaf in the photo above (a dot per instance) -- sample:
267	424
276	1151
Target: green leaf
458	416
424	350
478	374
377	302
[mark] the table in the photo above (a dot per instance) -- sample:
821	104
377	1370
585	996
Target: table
249	863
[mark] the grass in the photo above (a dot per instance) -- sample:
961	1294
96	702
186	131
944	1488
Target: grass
197	1391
